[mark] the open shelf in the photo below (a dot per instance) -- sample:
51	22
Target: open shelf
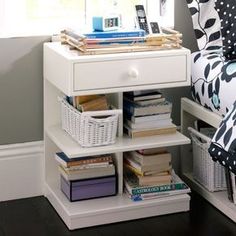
111	209
77	75
217	199
72	149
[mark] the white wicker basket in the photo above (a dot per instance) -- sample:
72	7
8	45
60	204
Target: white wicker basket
208	173
92	128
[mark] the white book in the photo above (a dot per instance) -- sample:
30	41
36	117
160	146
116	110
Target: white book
150	124
157	117
87	173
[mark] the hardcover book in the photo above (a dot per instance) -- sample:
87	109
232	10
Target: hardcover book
149	118
85	98
149	124
149	101
138	133
147	170
87	173
134	188
151	151
65	161
143	95
138	110
116	34
145	160
149	180
96	104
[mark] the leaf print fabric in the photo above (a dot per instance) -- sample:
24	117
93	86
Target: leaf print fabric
214	71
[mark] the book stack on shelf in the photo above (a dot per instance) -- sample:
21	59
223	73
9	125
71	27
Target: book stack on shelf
148	174
86	177
147	113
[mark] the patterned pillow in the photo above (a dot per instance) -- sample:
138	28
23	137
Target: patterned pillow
214	23
227	10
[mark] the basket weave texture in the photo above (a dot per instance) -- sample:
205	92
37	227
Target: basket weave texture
89	129
208	173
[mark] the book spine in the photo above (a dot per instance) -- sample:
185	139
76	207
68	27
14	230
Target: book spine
157	189
128	108
82	160
138	33
112	43
146	196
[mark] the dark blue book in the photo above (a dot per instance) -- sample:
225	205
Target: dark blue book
116	34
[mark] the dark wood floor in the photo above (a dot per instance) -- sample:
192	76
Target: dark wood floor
36	217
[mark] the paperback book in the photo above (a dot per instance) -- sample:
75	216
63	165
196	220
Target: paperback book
145	171
148	118
67	162
138	110
149	124
147	160
149	196
134	188
87	173
143	95
160	178
138	133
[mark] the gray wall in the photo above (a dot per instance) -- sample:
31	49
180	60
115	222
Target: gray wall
183	23
21	83
21	89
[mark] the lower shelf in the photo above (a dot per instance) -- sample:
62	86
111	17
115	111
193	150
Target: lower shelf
217	199
111	209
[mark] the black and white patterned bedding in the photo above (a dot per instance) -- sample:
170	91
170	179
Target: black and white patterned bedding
214	71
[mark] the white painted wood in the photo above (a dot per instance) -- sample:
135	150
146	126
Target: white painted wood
111	209
66	72
118	73
73	149
111	72
21	170
217	199
191	111
200	112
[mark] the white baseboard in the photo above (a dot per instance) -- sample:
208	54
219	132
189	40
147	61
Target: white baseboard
21	170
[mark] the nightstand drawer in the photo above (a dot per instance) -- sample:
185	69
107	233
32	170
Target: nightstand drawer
130	72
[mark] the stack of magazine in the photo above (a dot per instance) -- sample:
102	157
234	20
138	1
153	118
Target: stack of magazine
147	113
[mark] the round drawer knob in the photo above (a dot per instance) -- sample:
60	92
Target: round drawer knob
133	73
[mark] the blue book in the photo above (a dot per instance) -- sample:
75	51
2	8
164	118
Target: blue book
116	34
133	187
